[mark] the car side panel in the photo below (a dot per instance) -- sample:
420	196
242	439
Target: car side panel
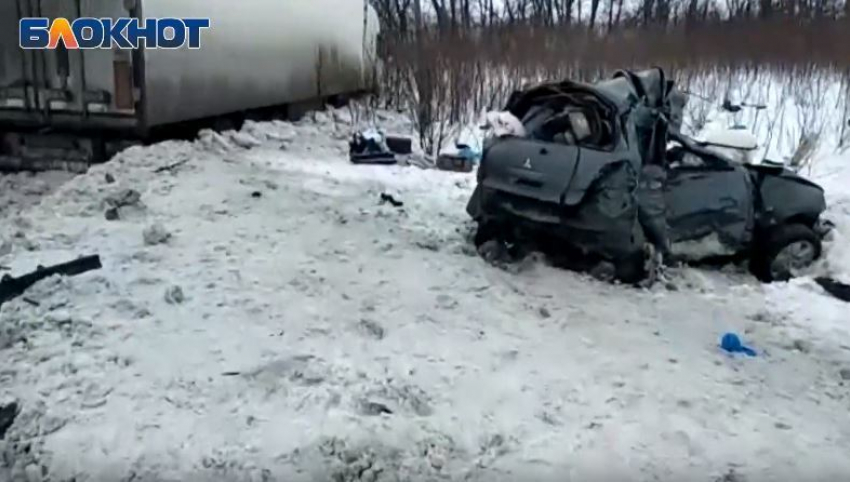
703	203
786	197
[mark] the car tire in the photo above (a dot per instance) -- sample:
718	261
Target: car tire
487	231
495	252
632	269
786	249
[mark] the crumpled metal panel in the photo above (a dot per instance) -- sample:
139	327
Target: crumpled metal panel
705	202
785	195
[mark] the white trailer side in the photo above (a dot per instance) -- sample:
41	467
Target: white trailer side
257	54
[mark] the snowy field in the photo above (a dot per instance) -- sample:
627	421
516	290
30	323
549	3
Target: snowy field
261	316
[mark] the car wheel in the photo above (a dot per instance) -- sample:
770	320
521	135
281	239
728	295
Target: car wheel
494	252
635	268
787	251
604	271
488	231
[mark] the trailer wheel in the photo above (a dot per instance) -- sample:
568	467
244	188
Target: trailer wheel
98	150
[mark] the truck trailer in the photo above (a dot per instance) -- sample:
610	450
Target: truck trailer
257	55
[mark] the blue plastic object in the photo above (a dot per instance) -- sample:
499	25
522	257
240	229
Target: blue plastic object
467	152
732	343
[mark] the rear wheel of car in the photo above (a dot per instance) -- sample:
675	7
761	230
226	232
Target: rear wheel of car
487	231
637	268
787	250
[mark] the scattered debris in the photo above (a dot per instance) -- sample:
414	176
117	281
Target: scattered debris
11	287
731	343
454	162
171	167
112	214
155	234
125	197
463	160
174	295
30	302
399	144
388	198
371	329
730	476
803	346
760	317
115	202
782	426
8	413
374	409
370	147
503	124
835	288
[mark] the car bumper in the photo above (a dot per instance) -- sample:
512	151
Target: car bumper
587	229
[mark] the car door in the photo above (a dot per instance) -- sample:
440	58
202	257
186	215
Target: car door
709	207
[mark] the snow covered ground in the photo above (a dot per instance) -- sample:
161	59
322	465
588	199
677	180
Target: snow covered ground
261	316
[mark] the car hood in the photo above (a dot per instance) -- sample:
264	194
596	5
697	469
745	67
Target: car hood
783	172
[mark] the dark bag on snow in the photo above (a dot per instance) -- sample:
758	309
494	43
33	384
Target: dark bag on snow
370	148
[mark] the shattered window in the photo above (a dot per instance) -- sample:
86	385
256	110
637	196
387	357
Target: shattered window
570	126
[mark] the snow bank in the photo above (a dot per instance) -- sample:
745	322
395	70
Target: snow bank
322	335
832	172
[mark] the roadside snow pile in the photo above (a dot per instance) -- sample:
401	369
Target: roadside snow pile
833	173
800	301
286	324
18	192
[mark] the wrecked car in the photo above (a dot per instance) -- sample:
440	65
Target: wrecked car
601	177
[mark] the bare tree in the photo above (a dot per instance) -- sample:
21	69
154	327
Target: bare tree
594	9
